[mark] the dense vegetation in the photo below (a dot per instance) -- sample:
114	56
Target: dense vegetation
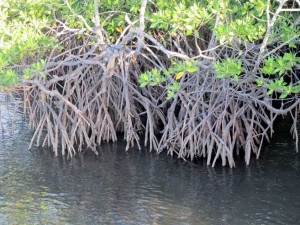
198	78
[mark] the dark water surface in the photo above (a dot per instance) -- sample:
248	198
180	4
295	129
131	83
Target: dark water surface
138	187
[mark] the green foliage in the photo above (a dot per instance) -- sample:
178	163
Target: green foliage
228	68
21	29
156	77
285	30
22	37
185	66
245	22
24	34
282	87
113	15
275	85
182	17
280	66
152	78
242	21
8	79
269	67
172	89
35	69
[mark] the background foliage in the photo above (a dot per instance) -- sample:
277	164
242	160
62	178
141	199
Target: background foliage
26	37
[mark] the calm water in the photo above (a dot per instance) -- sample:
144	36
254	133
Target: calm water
138	187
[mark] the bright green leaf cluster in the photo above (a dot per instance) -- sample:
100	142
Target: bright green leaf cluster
183	66
21	29
155	77
247	21
281	86
152	78
172	89
228	68
183	17
288	31
281	64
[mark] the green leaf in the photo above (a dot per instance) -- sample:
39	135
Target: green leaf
155	72
283	95
259	82
153	83
170	94
189	32
220	75
191	69
43	75
175	86
143	84
270	91
236	78
188	64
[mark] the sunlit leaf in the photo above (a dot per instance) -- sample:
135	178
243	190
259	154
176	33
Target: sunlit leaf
283	95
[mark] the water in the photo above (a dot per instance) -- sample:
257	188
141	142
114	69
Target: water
138	187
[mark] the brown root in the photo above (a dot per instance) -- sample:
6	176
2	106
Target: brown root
92	93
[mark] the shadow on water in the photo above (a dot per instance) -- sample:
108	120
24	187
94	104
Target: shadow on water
139	187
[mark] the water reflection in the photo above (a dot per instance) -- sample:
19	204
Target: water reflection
138	187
